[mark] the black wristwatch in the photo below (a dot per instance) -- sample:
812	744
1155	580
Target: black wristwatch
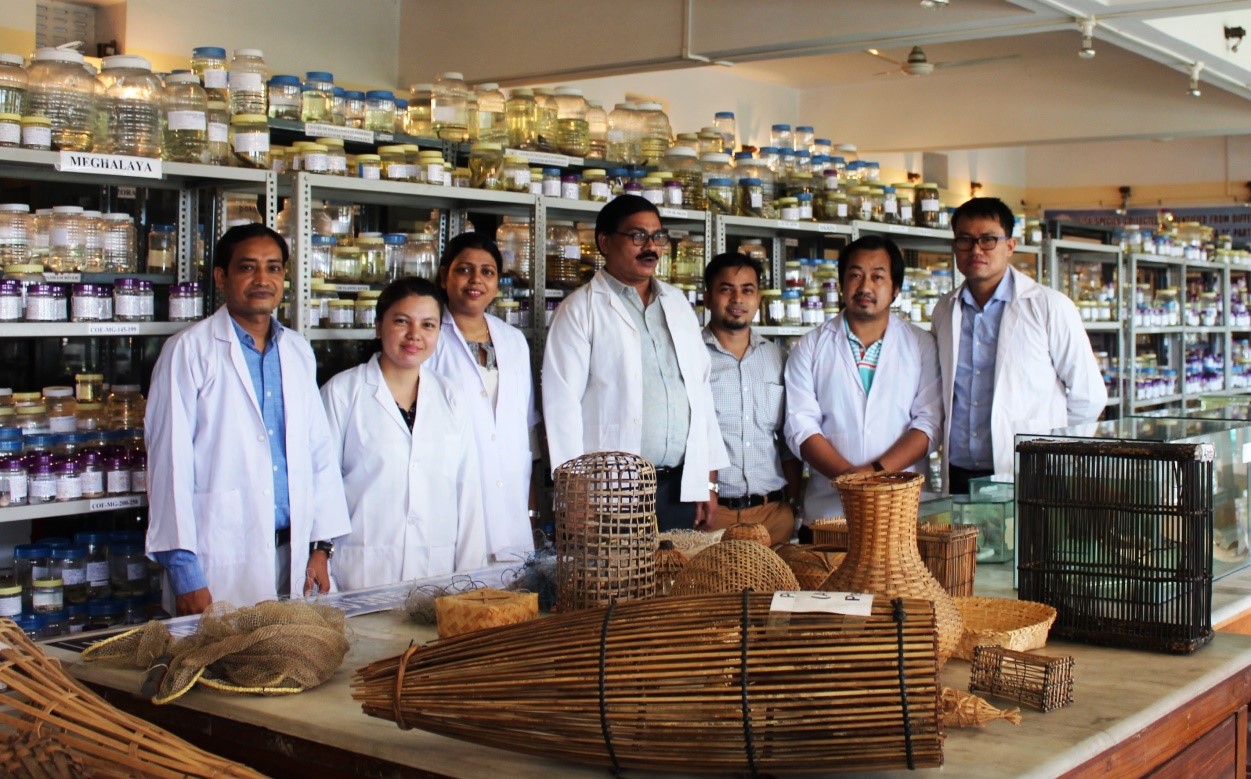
323	546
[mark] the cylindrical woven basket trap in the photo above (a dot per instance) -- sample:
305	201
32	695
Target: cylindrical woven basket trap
712	684
881	510
605	505
733	566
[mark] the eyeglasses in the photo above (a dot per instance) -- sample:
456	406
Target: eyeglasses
639	237
987	242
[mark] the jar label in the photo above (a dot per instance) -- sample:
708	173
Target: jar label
571	252
63	424
805	212
128	305
98	574
435	174
890	206
397	172
182	309
866	210
93	482
929	205
38	572
36	137
47	598
246	81
15	486
790	213
278	99
138	481
218	132
338	164
251	142
905	211
756	199
10	133
216	78
60	236
654	196
136	571
443	114
186	120
41	309
536	187
673	195
521	178
341	315
841	210
68	488
118	482
73	576
313	315
316	163
569	191
373	172
10	308
10	606
551	189
77	628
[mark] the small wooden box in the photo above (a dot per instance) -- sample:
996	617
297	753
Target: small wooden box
1043	682
482	609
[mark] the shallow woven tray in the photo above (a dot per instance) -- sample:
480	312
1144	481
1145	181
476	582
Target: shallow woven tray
1019	625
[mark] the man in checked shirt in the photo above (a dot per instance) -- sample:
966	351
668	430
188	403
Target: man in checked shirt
761	483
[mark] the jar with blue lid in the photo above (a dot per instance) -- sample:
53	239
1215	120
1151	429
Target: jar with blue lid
285	97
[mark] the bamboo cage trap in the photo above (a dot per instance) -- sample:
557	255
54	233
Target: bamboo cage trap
708	683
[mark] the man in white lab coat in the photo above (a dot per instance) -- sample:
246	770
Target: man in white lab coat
626	369
1014	355
244	490
862	390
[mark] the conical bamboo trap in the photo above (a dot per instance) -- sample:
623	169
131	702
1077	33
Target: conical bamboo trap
710	683
45	702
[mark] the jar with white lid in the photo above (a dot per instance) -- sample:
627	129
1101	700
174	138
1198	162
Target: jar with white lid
186	119
93	243
131	301
655	132
317	97
545	118
67	239
119	244
14	85
63	92
379	111
46	303
61	407
449	104
284	97
373	261
573	135
162	248
491	124
16	233
249	140
520	117
131	108
246	79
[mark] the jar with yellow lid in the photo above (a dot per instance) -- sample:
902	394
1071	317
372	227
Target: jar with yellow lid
320	294
394	163
249	140
10	130
336	155
928	205
366	308
432	171
373	261
342	314
27	399
485	163
368	166
36	132
315	158
509	311
834	206
788	209
345	266
772	310
688	262
89	387
594	185
31	420
515	174
905	198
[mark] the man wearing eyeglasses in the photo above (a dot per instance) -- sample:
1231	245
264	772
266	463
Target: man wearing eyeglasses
626	369
1013	354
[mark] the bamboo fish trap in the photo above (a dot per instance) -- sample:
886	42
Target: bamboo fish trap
89	734
708	683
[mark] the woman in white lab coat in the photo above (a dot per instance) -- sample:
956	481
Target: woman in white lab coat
410	465
489	361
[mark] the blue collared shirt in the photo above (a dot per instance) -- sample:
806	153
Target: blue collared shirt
970	443
265	370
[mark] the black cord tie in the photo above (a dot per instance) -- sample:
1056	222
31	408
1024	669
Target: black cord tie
603	697
748	741
900	615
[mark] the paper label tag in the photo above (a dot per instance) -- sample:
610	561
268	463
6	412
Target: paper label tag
351	287
109	164
827	227
315	130
675	213
218	132
788	224
113	328
854	604
546	159
185	120
120	502
63	278
215	79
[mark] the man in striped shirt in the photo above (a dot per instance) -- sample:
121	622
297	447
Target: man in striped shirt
762	481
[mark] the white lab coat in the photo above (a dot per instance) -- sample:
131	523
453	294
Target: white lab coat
593	387
413	497
210	487
1046	375
502	431
824	395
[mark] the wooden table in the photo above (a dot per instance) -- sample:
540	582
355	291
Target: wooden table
1133	712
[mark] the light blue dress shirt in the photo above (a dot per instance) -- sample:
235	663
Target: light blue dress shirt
265	370
970	440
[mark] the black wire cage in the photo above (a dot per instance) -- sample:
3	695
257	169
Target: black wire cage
1117	536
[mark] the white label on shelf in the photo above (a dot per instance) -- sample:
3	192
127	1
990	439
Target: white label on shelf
855	604
356	134
218	132
117	502
111	164
186	120
546	159
10	133
216	78
113	328
788	224
36	137
827	227
98	574
63	278
675	213
248	142
246	80
351	287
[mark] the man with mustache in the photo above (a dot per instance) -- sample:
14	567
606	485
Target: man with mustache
862	390
625	369
1015	357
761	482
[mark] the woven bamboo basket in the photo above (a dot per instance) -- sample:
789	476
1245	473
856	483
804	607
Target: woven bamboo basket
810	569
714	684
669	563
831	532
950	552
732	566
605	505
483	609
748	531
1020	625
45	704
883	557
691	542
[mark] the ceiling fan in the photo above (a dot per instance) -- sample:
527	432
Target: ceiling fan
917	64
